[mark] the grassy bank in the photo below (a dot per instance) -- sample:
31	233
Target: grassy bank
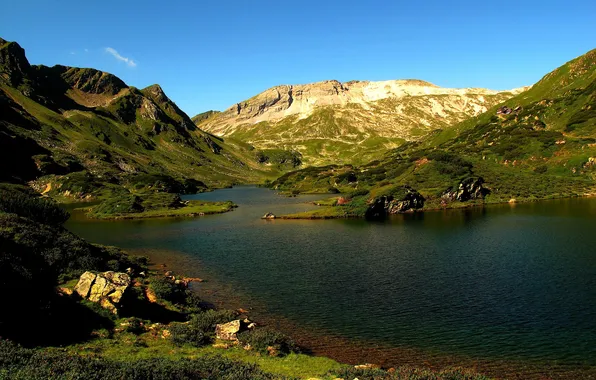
331	210
155	205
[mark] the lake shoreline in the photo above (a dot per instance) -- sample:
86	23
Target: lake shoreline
203	253
312	215
356	352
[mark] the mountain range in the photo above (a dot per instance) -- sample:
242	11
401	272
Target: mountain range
354	122
538	144
79	132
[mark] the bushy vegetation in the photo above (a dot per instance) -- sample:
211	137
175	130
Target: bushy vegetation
164	183
268	342
167	289
45	211
36	252
126	204
281	158
200	329
154	205
17	363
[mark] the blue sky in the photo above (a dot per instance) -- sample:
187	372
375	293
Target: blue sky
211	54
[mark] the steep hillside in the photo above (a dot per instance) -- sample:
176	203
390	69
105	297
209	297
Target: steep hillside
538	144
354	122
80	133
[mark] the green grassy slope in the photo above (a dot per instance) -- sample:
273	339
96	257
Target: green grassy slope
82	133
542	145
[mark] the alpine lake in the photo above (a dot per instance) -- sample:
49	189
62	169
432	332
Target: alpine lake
507	289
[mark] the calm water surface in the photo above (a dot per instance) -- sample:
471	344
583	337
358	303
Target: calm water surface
504	282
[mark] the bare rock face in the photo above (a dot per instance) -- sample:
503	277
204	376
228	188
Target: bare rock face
281	101
106	288
347	117
469	188
228	331
403	200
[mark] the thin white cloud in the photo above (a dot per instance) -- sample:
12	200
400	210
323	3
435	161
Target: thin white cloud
116	55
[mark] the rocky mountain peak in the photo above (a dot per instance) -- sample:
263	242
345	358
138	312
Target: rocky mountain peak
156	93
337	119
14	65
93	81
303	100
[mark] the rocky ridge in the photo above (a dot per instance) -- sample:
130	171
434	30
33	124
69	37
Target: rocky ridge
75	132
325	120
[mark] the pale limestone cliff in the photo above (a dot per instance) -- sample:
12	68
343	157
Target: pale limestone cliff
370	115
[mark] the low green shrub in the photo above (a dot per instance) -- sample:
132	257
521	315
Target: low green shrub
17	363
200	329
187	334
267	341
541	169
167	289
135	326
40	210
357	193
121	205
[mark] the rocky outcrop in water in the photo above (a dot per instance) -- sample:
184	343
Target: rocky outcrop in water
269	215
398	200
469	188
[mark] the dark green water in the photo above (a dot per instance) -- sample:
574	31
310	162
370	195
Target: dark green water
505	282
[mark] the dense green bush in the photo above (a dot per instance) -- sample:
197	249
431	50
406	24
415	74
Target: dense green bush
161	182
81	183
17	363
167	289
450	164
357	193
186	334
34	256
38	209
121	205
541	169
135	326
200	329
348	177
280	157
267	341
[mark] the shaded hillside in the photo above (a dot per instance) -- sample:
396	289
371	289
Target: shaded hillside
331	122
83	132
538	144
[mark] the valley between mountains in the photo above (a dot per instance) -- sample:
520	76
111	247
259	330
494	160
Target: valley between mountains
369	150
82	134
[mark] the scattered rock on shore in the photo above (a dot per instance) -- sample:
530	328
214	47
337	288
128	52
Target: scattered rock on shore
105	288
269	215
228	331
